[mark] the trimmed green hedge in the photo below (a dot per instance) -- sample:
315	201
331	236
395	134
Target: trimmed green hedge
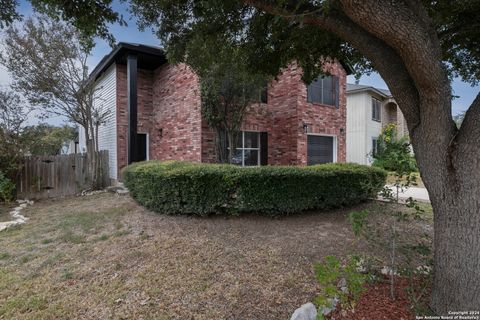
190	188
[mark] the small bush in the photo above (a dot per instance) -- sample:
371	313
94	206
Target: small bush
342	282
191	188
7	188
394	154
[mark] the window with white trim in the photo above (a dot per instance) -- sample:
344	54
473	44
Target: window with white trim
374	146
376	110
247	152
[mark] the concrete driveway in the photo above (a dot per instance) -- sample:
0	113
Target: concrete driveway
419	194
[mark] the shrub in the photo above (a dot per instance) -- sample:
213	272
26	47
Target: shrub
191	188
394	154
342	282
7	188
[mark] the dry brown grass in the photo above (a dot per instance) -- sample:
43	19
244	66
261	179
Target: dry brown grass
391	179
105	257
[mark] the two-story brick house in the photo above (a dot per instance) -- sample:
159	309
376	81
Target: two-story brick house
156	114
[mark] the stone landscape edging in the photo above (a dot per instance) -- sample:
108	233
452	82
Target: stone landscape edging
17	217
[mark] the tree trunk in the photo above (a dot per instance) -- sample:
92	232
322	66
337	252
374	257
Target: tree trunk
456	285
92	156
452	177
232	144
399	38
221	145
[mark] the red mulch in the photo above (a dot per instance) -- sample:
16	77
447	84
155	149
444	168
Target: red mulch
376	303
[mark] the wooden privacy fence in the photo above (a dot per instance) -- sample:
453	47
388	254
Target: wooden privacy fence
58	176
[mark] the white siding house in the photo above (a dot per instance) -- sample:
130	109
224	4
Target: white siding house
368	110
106	99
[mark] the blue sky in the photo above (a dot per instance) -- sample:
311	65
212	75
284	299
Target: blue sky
132	34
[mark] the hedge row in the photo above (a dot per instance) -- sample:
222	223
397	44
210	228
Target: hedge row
189	188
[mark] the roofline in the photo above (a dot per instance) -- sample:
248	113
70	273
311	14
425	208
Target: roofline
370	88
110	58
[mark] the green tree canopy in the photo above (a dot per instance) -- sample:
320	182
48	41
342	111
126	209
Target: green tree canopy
228	89
48	140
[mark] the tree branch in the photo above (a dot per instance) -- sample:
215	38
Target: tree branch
404	29
386	61
469	133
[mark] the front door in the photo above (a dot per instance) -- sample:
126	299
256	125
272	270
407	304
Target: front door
142	147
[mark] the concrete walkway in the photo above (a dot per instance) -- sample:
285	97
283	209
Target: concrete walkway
419	194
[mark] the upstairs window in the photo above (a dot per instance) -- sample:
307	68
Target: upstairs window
376	110
324	90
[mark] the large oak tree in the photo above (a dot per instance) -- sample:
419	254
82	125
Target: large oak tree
416	46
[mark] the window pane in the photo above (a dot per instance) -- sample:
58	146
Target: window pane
251	157
328	91
251	139
314	91
376	105
239	140
237	157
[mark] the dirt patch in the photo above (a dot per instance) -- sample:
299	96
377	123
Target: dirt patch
105	257
5	212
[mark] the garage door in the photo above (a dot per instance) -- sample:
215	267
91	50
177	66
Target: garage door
319	149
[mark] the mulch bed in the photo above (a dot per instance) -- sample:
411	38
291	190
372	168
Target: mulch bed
376	303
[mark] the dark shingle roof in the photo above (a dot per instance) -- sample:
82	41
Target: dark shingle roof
149	57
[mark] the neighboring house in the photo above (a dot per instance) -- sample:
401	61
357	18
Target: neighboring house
156	114
369	109
70	147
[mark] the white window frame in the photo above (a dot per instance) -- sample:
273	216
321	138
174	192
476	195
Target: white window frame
335	143
242	148
379	113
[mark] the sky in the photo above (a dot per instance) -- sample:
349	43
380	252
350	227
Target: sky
131	33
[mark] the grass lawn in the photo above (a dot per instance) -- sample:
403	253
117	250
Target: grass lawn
105	257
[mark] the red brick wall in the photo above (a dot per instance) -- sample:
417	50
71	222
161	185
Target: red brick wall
176	112
323	119
282	104
208	137
283	118
144	110
169	110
